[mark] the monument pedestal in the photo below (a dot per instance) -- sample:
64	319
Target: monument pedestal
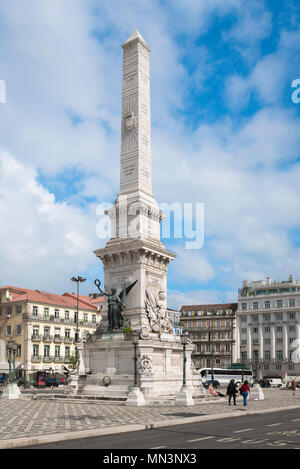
108	362
257	393
135	398
184	398
12	391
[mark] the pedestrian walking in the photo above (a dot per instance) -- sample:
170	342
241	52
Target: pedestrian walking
293	386
245	391
231	392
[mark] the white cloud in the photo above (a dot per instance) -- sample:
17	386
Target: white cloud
43	242
266	81
253	24
191	265
63	61
177	298
250	201
269	77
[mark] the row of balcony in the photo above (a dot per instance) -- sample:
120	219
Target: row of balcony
40	358
213	353
212	339
50	338
58	320
208	315
206	328
252	361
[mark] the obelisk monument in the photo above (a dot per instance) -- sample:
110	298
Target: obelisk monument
135	256
135	251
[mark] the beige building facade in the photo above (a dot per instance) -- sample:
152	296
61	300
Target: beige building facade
268	327
43	325
212	328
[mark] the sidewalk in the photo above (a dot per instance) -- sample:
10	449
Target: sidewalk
28	422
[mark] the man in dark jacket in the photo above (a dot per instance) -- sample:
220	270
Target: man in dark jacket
231	391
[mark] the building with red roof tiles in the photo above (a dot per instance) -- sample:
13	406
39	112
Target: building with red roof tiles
43	325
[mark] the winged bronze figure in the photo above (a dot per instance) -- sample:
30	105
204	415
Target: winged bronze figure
116	305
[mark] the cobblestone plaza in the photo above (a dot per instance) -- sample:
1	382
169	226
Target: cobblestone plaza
29	418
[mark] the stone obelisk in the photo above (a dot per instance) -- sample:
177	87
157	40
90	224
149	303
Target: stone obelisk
135	251
136	167
135	255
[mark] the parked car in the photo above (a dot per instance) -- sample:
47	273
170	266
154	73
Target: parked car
51	382
298	384
3	379
275	382
214	382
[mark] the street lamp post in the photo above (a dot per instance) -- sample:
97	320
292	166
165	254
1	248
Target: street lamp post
12	390
135	397
184	340
9	363
243	367
14	362
184	396
212	357
244	361
135	340
51	375
77	279
12	347
256	370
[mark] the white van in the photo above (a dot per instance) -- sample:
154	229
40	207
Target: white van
275	382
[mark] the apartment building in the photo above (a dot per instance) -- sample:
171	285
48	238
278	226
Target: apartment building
212	328
268	327
43	325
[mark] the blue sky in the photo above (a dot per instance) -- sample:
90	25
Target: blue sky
225	133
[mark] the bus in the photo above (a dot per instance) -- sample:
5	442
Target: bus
225	375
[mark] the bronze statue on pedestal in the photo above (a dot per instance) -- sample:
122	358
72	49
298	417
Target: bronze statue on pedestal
116	305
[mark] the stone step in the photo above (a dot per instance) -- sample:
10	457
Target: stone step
111	386
107	388
103	392
117	400
119	381
161	402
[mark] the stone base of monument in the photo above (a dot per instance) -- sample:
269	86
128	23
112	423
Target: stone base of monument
184	398
12	391
135	398
108	369
256	393
72	386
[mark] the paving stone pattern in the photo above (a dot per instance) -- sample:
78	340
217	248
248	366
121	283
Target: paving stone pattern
24	418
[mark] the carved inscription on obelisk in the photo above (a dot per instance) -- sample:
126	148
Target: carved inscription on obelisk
136	171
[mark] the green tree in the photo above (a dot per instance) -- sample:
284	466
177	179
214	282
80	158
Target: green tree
72	360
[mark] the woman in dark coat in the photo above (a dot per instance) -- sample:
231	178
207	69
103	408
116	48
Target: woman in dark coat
231	391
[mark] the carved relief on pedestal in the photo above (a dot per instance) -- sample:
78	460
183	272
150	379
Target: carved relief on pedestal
145	365
144	334
154	278
122	278
156	311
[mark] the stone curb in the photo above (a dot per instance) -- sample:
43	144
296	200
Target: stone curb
52	438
